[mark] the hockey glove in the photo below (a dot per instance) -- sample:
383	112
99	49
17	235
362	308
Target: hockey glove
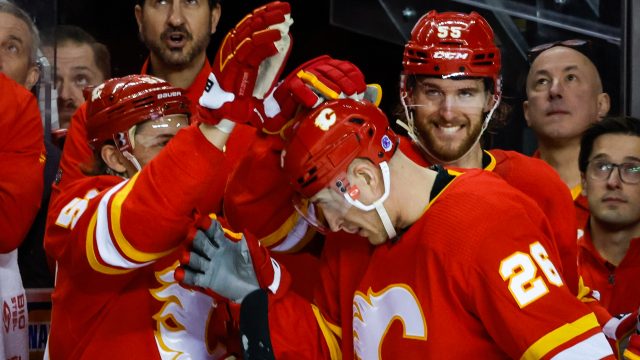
312	83
247	65
228	264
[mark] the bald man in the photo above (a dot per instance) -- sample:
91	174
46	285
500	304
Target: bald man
564	97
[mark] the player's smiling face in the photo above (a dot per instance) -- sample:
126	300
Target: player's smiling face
449	114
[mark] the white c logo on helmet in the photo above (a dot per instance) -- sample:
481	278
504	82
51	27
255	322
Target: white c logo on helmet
326	119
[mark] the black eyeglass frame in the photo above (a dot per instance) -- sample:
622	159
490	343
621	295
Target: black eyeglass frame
592	170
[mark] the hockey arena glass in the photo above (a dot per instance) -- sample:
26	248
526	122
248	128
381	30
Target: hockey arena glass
629	172
583	46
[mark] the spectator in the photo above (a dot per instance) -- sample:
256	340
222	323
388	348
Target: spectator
564	97
609	251
19	40
177	34
80	61
22	155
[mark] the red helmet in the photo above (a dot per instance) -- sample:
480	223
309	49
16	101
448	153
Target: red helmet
326	139
452	44
118	104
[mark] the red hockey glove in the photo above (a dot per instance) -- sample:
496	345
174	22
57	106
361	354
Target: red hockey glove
247	65
312	83
229	264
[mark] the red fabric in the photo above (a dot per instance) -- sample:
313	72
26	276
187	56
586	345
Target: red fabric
617	285
581	205
442	280
22	157
124	303
539	181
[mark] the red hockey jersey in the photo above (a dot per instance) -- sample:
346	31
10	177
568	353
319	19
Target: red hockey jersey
116	243
539	181
22	158
474	277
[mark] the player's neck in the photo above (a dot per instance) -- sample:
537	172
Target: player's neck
411	185
612	243
181	77
564	159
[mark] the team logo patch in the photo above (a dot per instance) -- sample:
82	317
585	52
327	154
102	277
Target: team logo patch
326	119
386	143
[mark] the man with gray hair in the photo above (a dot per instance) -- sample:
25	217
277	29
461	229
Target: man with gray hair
19	41
22	153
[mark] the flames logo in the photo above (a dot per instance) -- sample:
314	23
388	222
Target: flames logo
183	320
373	314
325	119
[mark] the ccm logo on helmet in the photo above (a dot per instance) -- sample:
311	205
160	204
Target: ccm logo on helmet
325	119
448	55
168	95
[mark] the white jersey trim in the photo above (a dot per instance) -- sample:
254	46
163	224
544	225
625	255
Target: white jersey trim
595	347
106	249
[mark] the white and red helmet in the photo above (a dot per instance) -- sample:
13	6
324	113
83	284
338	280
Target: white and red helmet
119	104
452	45
326	139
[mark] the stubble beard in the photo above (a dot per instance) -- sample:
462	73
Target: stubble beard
178	58
443	150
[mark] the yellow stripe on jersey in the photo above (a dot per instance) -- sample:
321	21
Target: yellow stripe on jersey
124	245
630	356
231	234
281	232
583	291
450	172
576	191
91	252
559	336
492	163
330	332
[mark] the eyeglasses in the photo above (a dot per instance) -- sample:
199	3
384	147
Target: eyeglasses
629	172
583	46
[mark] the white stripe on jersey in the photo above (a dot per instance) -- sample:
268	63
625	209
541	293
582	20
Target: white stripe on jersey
107	250
595	347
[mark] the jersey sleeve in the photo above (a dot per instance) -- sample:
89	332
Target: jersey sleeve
514	287
268	202
138	221
22	157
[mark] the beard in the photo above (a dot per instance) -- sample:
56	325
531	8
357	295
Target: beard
177	57
443	149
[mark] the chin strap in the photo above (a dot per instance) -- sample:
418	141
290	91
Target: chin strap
378	204
133	159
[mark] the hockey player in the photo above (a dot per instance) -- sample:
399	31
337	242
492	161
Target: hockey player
114	234
449	256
